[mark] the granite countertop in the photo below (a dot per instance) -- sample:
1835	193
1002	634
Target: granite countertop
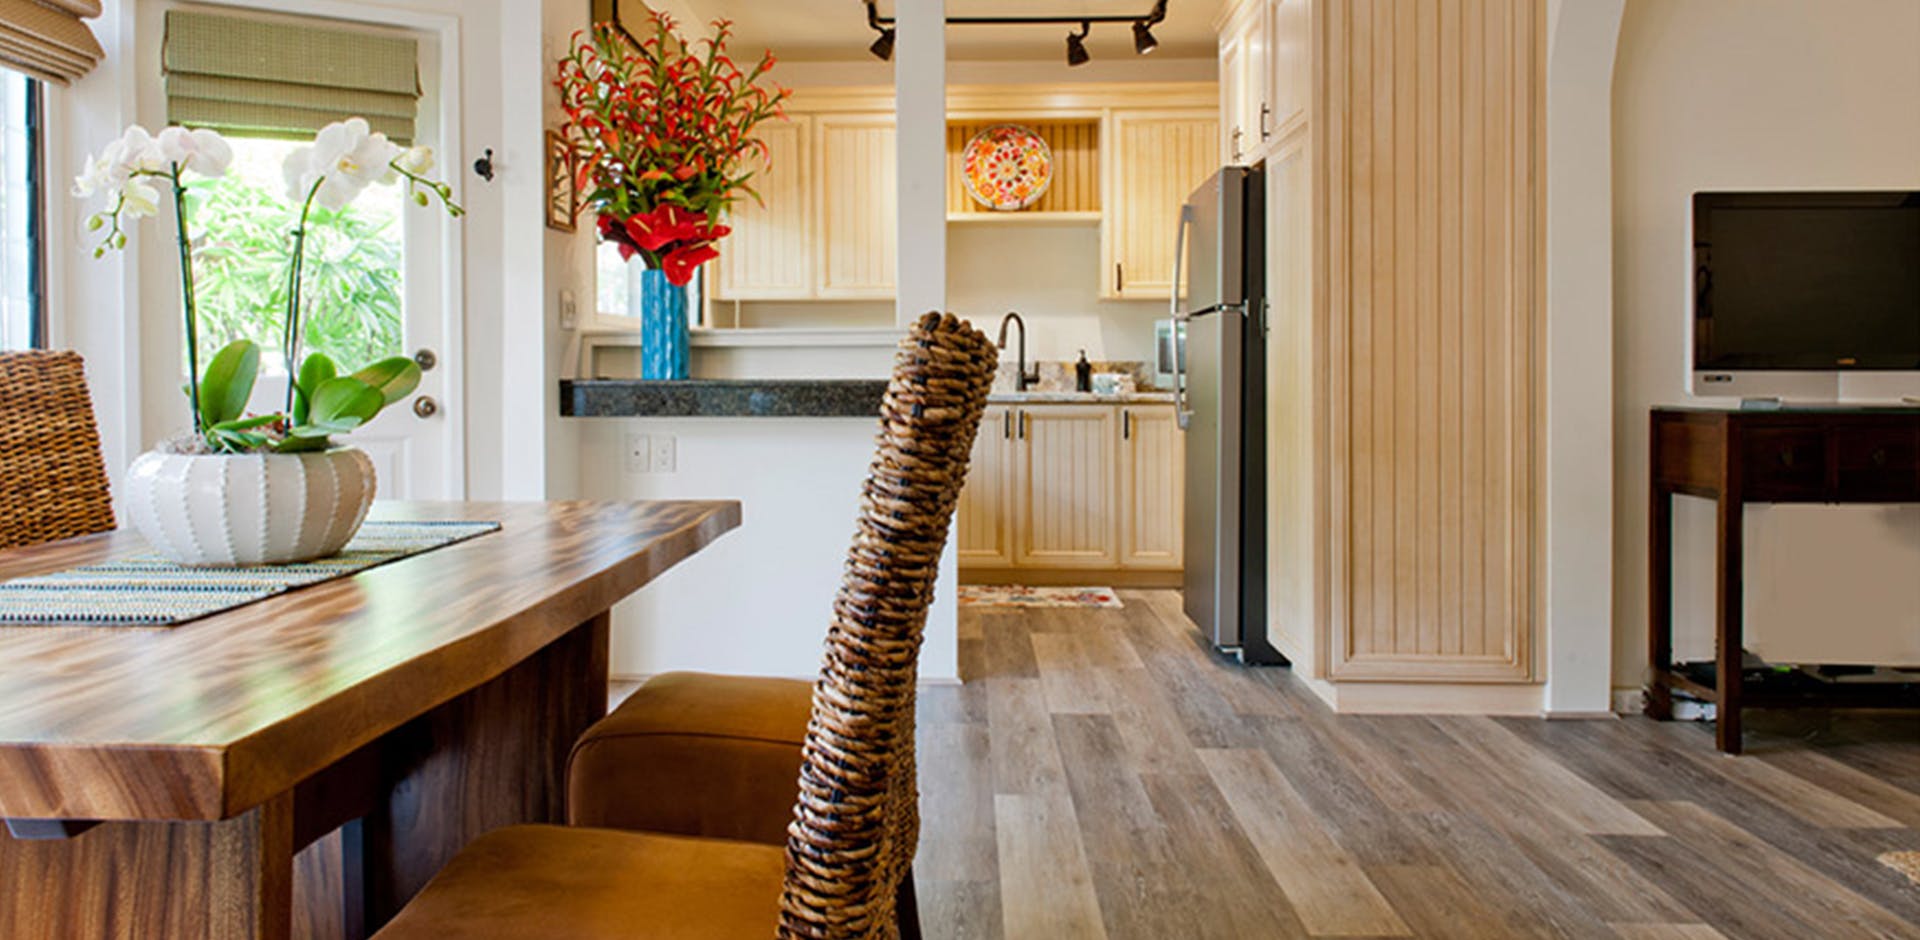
1054	397
721	398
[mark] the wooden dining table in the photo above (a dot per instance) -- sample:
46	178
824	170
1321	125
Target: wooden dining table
300	766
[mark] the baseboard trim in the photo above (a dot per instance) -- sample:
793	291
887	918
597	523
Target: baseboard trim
1436	698
1071	577
1629	701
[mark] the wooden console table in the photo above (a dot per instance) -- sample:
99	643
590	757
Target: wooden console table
1740	457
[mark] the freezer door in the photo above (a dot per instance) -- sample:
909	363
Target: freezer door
1212	574
1216	247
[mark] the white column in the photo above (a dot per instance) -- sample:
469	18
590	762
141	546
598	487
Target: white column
1579	536
920	271
920	96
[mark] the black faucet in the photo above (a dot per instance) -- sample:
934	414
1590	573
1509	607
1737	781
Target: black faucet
1020	377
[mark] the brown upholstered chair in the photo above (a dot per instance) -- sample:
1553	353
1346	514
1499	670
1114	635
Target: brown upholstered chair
852	821
53	484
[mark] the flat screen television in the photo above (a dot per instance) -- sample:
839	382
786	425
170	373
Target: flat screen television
1798	294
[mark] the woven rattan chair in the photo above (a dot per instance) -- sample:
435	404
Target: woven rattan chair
853	827
53	484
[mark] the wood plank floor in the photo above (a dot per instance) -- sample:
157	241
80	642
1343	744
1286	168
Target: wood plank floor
1100	774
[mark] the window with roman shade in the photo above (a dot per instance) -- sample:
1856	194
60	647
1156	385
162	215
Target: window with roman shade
45	38
284	78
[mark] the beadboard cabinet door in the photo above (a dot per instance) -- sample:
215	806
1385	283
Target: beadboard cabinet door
987	503
769	256
1156	160
1152	478
854	188
1067	483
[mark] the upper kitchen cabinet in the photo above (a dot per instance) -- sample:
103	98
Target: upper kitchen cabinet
1246	113
1155	161
1265	76
768	255
855	193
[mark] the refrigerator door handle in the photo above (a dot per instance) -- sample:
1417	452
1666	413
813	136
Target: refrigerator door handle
1181	414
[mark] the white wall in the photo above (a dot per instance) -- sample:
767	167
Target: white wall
1752	94
756	602
1050	274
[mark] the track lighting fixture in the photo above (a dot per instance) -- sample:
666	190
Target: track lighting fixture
1143	41
1077	45
1143	38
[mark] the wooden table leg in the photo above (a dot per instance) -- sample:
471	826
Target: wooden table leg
228	880
493	757
1729	657
1660	602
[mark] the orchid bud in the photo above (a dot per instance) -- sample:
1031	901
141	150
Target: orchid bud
419	198
94	222
120	240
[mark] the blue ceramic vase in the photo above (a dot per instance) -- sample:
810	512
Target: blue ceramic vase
663	326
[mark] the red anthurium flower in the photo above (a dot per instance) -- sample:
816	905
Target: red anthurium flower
654	231
680	263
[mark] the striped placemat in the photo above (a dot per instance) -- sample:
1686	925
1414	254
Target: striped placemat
150	591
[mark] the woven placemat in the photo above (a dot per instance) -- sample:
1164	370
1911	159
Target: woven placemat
150	591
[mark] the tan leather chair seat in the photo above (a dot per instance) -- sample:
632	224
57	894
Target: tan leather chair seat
695	754
558	883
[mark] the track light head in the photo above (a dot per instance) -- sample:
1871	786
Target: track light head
882	47
1143	41
1077	46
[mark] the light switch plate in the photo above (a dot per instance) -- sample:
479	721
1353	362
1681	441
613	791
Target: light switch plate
662	460
639	453
569	311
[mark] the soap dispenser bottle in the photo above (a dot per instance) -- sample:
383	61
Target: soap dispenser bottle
1083	374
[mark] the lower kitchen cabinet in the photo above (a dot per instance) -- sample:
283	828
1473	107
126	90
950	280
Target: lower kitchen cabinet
1073	487
1152	483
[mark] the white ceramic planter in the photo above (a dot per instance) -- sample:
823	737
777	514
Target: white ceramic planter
249	509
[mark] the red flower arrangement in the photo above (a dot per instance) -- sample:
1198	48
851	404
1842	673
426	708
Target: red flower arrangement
660	132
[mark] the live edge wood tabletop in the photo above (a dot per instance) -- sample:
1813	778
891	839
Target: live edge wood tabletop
298	767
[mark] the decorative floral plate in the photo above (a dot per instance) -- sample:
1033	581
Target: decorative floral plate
1006	167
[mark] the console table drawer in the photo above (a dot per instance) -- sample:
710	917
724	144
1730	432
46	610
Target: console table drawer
1785	463
1877	463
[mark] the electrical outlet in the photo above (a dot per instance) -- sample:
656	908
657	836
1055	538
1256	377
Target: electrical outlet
639	453
569	311
663	456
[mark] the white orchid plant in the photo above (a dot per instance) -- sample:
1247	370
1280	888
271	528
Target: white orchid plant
344	159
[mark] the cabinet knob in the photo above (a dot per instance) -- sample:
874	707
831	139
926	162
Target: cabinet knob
1880	457
425	406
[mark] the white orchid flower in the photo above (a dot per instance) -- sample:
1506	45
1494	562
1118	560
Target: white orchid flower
97	176
135	152
416	160
346	157
203	151
139	198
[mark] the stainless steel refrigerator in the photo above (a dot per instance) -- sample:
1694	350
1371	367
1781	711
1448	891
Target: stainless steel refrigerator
1220	395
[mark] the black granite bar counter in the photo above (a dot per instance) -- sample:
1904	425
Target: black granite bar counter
721	398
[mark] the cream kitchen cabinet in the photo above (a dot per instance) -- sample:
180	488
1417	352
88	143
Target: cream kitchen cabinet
1156	159
824	229
1066	480
855	192
769	256
1265	78
1074	487
986	511
1152	485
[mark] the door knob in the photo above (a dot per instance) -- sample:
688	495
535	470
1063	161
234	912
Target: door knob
426	360
425	406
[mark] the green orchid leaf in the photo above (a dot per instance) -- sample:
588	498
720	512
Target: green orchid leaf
315	370
229	382
344	402
246	424
300	444
236	442
395	377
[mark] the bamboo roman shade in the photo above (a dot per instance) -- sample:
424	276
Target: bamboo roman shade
45	38
280	78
